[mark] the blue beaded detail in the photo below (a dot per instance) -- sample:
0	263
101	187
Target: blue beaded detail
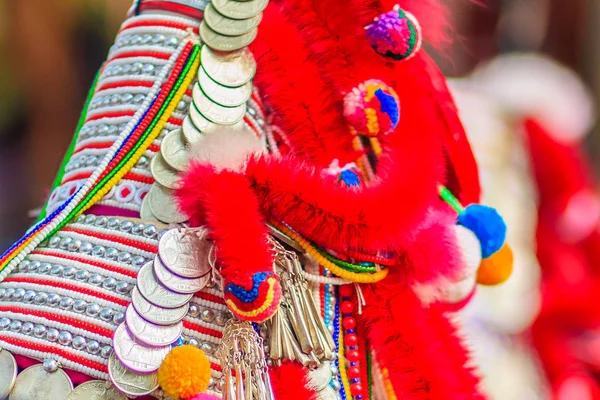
248	296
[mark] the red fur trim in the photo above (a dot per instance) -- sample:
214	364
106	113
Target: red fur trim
225	204
419	346
289	382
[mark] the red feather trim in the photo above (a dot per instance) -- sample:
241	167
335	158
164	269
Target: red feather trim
418	346
289	382
224	203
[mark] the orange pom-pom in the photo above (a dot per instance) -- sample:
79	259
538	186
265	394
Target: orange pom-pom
497	268
184	373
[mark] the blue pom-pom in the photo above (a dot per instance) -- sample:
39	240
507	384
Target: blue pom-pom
487	224
350	177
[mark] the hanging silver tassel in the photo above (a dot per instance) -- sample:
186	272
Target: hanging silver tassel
245	372
297	331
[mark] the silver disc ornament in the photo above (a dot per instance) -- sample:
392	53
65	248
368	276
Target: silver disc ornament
156	293
223	95
186	252
231	69
136	356
239	9
35	383
227	26
130	382
151	334
214	112
155	314
177	283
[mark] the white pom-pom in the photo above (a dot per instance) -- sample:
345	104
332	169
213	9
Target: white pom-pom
470	250
227	148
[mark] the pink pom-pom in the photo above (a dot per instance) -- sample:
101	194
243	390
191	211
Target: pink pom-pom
372	108
395	34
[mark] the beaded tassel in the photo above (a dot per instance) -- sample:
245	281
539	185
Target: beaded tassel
351	343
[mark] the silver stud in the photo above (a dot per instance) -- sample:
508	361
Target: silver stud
172	42
82	275
109	283
80	306
118	318
92	309
113	223
44	268
135	39
335	384
127	98
89	219
39	331
122	287
2	292
142	163
86	247
103	129
52	334
69	272
148	69
193	342
53	300
206	347
4	323
66	303
80	219
23	266
9	292
29	296
15	326
79	342
194	310
101	221
181	105
106	351
208	315
115	99
54	241
50	365
33	266
65	338
139	98
125	226
112	253
138	261
98	251
334	369
146	39
150	231
56	269
93	346
137	68
74	245
40	298
124	257
158	39
220	318
18	294
27	328
95	279
106	314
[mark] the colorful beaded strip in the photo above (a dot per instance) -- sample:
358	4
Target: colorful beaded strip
136	138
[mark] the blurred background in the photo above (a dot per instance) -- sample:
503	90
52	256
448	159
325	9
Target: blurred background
537	337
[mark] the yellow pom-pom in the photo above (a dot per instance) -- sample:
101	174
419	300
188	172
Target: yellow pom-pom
497	268
184	373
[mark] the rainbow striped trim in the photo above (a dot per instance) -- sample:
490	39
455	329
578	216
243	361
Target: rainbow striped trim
147	128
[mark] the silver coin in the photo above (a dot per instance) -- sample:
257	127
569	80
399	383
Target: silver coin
149	333
130	382
319	378
191	132
185	252
136	356
35	383
156	293
8	373
174	150
154	314
163	173
227	26
177	283
162	205
239	9
215	113
223	95
229	69
219	42
328	394
96	390
145	212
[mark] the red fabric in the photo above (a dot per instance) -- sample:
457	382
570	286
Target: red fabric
289	382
